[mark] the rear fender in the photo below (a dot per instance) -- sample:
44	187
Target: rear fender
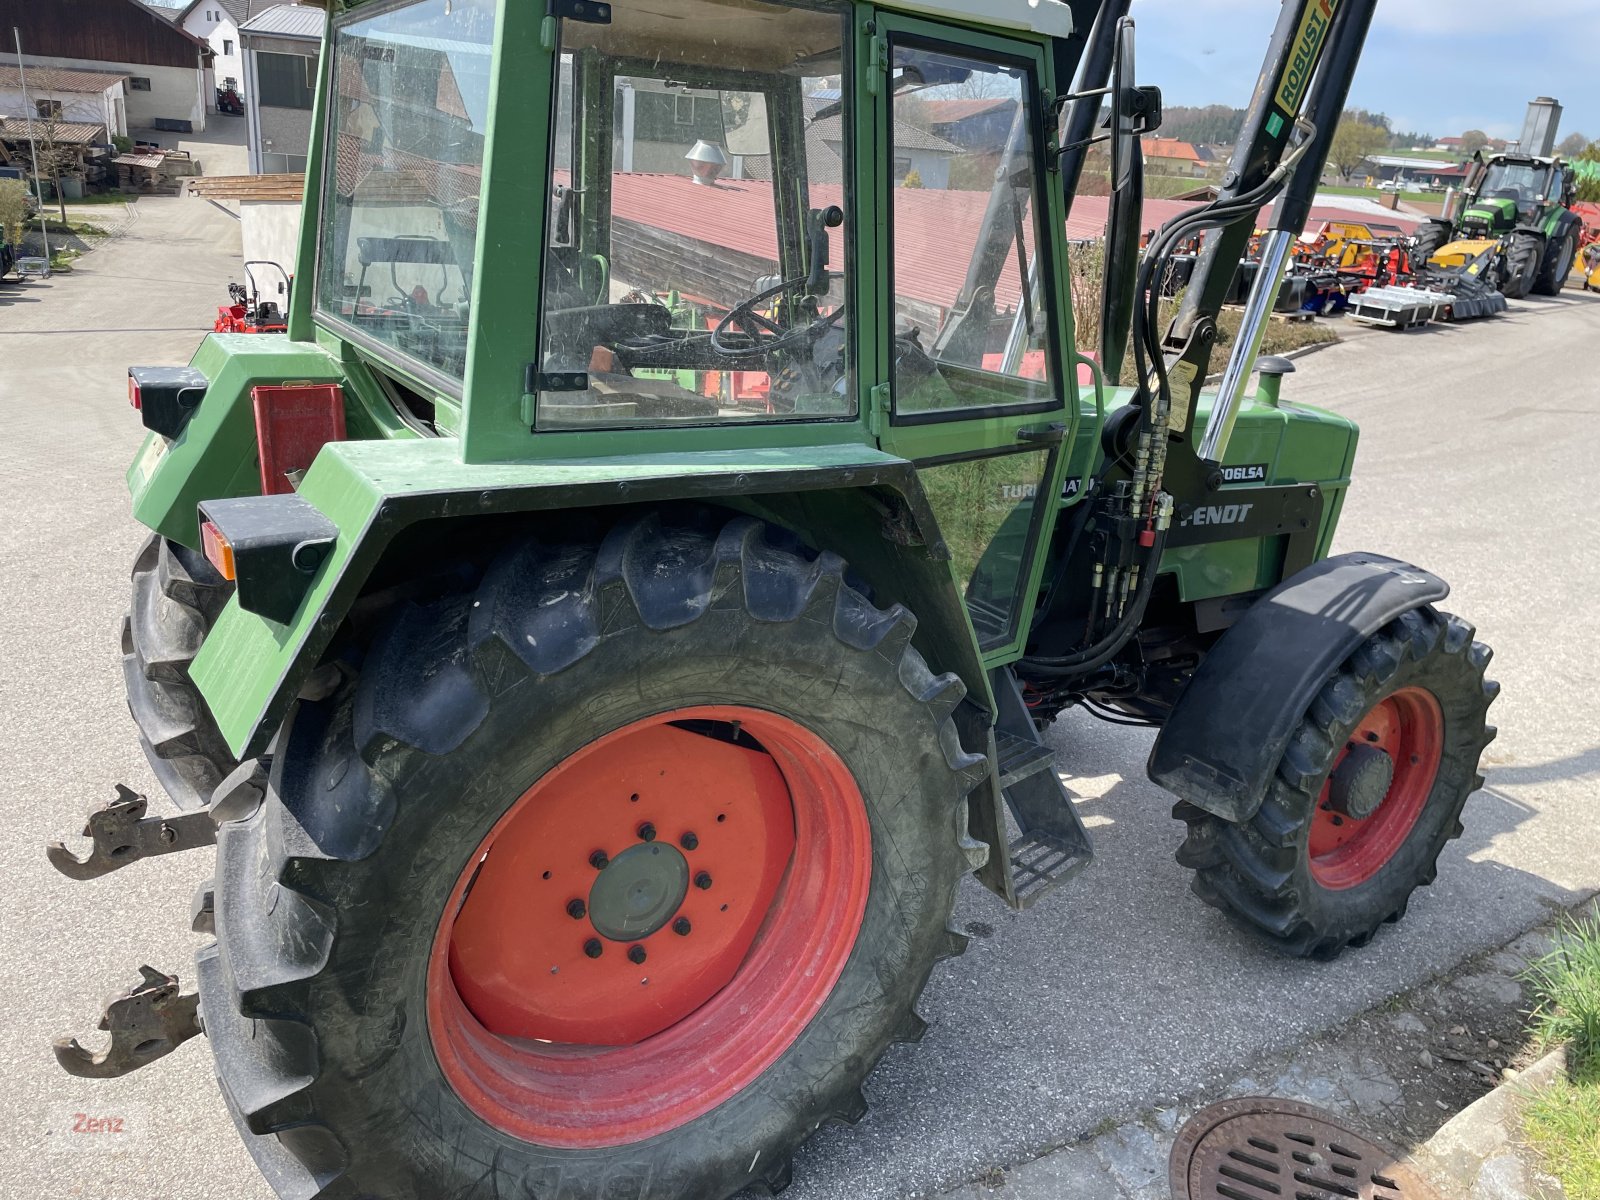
215	455
865	505
1232	723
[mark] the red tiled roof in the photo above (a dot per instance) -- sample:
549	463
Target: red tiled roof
1170	148
64	133
59	79
948	112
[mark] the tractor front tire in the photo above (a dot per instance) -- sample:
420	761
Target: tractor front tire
1368	792
1556	265
1430	236
177	595
1523	257
613	876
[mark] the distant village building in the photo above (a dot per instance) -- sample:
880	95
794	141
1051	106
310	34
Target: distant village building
168	72
281	48
62	94
980	124
1169	156
216	23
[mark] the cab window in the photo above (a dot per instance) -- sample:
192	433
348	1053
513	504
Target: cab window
696	266
971	312
408	108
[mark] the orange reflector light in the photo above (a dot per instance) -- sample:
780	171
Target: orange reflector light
133	393
218	552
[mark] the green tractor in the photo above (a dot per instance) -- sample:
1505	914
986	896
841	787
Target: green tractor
602	632
1516	226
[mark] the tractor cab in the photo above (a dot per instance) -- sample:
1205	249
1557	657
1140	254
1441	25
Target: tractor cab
1514	190
734	201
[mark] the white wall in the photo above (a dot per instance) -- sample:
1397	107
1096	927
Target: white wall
87	108
175	92
212	25
270	230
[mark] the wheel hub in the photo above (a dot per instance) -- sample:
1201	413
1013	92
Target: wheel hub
639	891
1377	789
611	848
1361	781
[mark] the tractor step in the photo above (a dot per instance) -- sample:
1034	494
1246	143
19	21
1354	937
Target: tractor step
1052	844
1019	757
148	1021
1041	862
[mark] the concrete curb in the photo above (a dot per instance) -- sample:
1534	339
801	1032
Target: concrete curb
1478	1153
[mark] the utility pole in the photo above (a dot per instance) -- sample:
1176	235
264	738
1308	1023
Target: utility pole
33	150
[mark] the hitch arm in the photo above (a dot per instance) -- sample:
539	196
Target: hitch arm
149	1021
123	834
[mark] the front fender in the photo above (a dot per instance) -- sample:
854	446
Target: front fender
1232	723
865	505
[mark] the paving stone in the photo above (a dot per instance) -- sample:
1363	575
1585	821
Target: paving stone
1133	1156
1074	1171
1409	1023
1501	1178
1491	985
1370	1088
1297	1083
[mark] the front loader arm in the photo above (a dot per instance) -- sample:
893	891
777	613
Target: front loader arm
1312	58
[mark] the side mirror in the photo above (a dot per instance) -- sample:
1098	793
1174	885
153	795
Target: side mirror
1135	111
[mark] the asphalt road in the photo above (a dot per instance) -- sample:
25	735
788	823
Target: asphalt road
1478	462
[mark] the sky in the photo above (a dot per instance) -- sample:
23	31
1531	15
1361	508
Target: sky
1434	66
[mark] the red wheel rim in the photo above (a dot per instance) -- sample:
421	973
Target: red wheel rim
730	897
1408	727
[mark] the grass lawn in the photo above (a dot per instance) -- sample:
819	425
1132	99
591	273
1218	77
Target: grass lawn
104	198
57	226
1563	1124
1375	194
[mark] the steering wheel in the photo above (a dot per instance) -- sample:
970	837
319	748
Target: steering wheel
766	335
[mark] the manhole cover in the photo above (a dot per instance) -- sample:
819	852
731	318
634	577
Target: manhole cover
1259	1148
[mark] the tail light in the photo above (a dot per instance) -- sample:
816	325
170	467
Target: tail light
166	397
218	550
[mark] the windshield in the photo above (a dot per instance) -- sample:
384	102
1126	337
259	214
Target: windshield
1522	182
696	265
409	103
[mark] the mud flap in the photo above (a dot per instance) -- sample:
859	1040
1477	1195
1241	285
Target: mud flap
1231	725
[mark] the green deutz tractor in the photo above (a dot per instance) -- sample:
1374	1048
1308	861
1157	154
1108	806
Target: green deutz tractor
1516	226
599	636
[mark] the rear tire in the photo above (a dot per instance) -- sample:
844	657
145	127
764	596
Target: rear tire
1559	256
177	596
1299	872
324	999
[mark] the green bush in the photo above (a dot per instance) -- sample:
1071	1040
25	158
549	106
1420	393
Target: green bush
1566	983
13	209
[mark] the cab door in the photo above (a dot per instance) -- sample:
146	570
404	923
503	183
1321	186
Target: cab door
975	363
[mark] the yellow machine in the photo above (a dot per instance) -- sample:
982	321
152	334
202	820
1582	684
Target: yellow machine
1462	251
1591	267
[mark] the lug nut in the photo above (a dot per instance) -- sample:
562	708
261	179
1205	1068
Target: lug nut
593	948
688	841
647	832
681	927
598	860
576	909
636	954
703	880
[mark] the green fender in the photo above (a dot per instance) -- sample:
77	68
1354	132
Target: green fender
863	504
215	456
